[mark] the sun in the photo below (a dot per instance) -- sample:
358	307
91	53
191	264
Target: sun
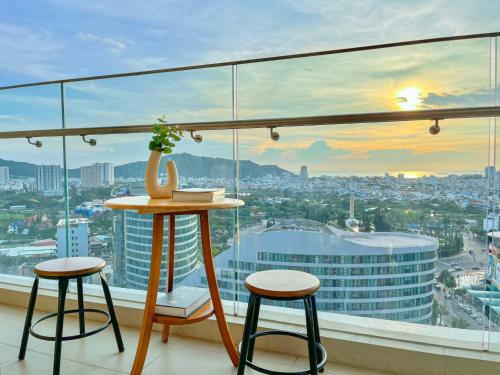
409	98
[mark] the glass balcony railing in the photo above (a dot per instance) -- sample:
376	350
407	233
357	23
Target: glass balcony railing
397	223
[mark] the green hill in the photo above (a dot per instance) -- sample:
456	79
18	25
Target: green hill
188	165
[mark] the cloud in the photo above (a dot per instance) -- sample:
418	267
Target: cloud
147	63
314	154
10	118
28	52
114	46
472	98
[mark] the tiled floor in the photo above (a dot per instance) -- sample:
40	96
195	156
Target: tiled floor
98	355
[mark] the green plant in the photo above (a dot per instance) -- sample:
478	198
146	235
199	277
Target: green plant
164	137
446	278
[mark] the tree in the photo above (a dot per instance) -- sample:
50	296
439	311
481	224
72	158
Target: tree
459	323
341	218
461	292
438	310
366	225
447	279
381	225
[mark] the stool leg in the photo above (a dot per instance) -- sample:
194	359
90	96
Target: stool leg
29	317
63	287
112	315
245	341
255	322
316	330
311	340
81	311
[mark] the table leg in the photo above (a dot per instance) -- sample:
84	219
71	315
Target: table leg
214	289
170	270
150	305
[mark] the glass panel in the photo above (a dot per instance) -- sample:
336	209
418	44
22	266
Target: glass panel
30	108
393	221
489	304
377	212
116	167
31	204
403	78
185	96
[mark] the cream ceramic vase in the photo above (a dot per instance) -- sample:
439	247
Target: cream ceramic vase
153	187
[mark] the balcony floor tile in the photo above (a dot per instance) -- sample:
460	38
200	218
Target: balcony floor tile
98	355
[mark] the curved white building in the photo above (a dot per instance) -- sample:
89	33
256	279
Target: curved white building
137	247
378	275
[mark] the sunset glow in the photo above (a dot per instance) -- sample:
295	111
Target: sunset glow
409	98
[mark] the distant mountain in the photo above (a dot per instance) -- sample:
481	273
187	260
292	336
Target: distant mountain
19	168
188	165
202	166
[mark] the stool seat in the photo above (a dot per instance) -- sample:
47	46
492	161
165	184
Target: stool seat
63	270
69	267
282	284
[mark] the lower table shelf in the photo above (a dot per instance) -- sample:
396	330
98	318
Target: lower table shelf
204	312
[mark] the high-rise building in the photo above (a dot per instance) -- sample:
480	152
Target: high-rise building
119	272
48	178
489	173
378	275
137	237
491	222
352	223
78	238
303	172
4	175
98	174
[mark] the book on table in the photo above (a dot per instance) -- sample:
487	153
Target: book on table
198	195
182	301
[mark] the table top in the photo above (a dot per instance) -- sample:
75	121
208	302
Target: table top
145	205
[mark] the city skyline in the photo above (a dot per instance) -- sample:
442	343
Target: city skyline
101	180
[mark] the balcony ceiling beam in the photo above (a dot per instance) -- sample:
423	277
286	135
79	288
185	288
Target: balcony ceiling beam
341	119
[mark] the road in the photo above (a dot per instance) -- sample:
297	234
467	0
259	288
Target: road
464	259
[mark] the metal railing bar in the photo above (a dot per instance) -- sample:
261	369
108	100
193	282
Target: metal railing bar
355	118
257	60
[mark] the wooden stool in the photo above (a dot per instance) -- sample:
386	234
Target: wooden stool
64	269
284	285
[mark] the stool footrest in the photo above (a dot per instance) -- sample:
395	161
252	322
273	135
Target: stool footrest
71	337
301	336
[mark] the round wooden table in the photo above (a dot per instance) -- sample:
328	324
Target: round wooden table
160	208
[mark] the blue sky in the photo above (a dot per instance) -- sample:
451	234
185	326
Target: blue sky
64	38
43	40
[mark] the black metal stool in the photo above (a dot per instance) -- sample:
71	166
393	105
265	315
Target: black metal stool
284	285
64	269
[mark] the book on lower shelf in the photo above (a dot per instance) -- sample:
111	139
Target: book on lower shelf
182	301
199	195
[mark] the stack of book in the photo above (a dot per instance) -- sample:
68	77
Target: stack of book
198	195
182	301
